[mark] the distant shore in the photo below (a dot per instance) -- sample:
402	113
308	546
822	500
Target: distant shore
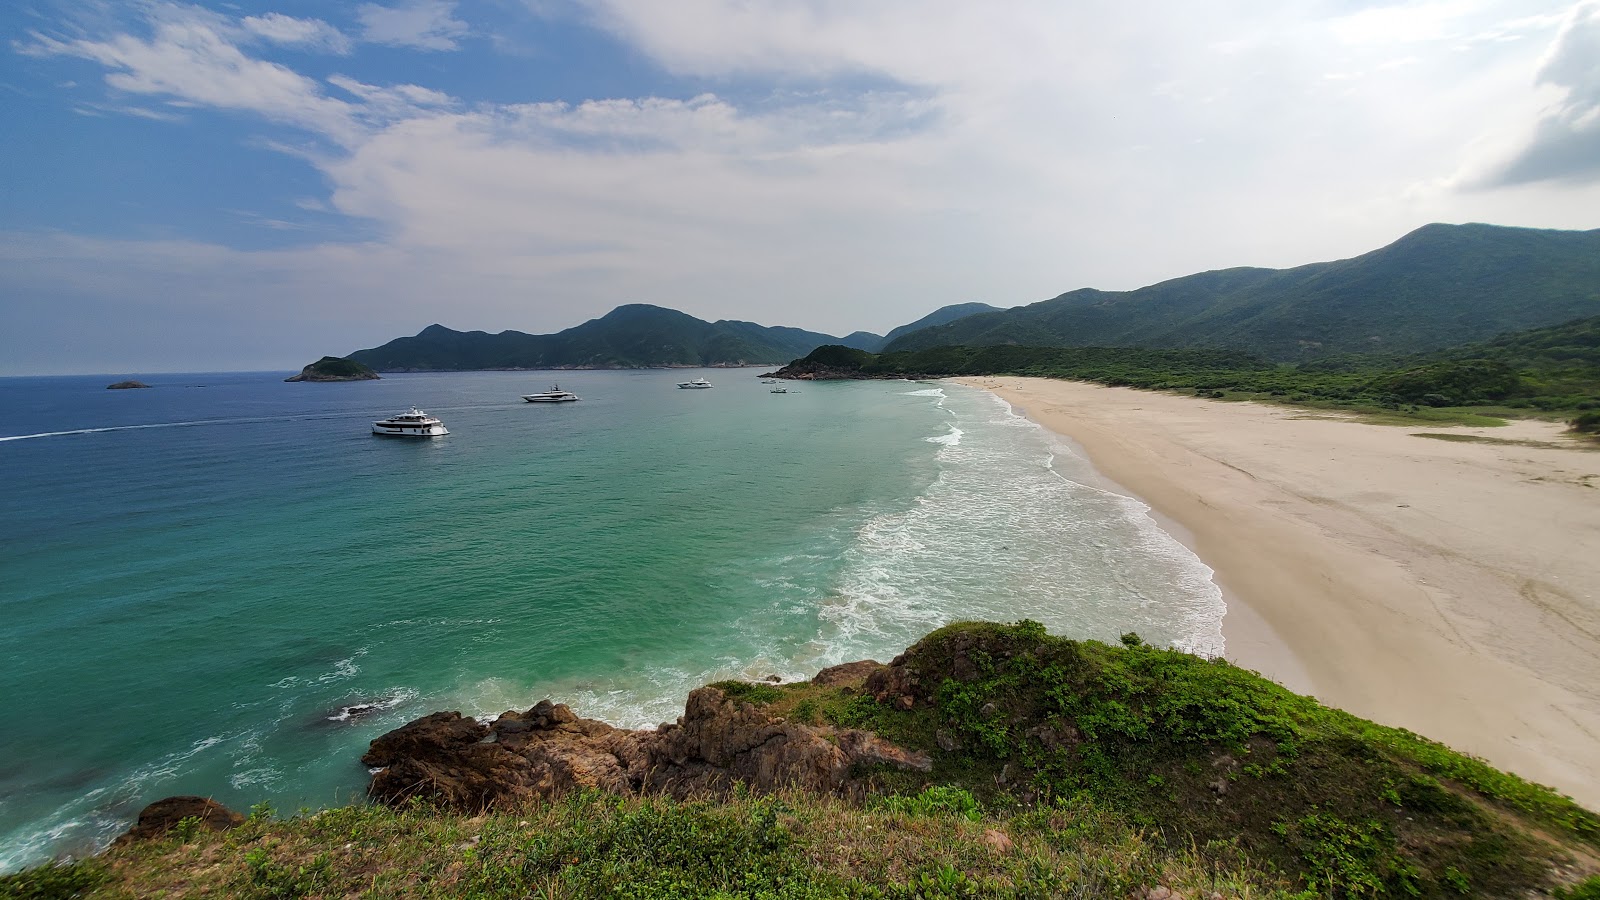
1445	585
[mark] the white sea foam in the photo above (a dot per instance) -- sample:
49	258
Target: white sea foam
951	438
344	668
395	698
264	776
1003	533
89	824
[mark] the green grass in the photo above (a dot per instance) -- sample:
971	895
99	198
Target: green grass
795	847
1108	769
1343	805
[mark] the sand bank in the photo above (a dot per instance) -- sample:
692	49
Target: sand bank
1448	586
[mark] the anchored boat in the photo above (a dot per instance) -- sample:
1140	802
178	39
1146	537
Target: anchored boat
415	423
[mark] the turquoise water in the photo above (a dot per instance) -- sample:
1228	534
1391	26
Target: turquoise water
225	585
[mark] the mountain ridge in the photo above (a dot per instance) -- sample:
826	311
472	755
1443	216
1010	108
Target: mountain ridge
633	335
1435	287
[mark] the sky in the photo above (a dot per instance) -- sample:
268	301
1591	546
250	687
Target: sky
251	185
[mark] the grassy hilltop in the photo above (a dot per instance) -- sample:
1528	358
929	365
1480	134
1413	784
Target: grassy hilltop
1060	769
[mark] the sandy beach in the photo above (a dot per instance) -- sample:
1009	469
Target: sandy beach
1449	585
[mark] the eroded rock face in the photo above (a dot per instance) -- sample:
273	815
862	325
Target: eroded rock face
549	751
161	816
847	673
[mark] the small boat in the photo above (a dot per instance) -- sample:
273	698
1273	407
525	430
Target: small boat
554	395
415	423
769	381
697	384
780	390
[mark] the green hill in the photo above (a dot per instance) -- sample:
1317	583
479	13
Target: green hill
631	336
1056	768
944	315
1438	286
1551	370
332	368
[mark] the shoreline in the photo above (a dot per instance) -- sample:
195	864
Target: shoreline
1437	585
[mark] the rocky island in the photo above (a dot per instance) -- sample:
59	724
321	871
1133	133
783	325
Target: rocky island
985	761
334	368
126	385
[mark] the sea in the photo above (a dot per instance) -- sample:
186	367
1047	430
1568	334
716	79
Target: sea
225	585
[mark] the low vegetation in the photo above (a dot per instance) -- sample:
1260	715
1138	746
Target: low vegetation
1551	371
1061	768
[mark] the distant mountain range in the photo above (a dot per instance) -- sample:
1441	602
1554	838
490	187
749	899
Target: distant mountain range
633	336
1437	287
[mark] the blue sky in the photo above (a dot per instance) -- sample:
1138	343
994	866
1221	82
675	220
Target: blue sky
250	185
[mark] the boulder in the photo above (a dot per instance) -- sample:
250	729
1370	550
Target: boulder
847	674
163	815
548	751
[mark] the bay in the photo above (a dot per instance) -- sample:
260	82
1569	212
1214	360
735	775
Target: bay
225	585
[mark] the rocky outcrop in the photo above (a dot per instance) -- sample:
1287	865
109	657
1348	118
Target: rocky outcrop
847	674
126	385
334	368
162	816
548	751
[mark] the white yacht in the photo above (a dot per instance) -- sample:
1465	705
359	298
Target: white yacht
695	384
415	423
554	395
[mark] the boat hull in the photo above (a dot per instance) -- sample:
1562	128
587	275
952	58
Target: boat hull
551	399
410	431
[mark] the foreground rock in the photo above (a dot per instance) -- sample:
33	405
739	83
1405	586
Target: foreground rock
126	385
333	368
162	816
549	750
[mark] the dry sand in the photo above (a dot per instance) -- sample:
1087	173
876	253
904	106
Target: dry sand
1451	587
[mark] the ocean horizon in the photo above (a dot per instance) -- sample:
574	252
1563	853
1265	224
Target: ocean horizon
226	585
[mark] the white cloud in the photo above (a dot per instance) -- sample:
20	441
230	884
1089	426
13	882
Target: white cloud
311	33
193	58
190	57
397	98
423	24
1563	144
997	157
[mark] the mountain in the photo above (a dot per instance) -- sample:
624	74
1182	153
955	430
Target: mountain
332	368
1555	369
632	336
1439	286
862	340
944	315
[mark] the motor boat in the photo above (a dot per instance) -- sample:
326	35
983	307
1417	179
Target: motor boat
698	383
554	395
415	423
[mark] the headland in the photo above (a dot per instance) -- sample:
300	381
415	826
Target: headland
1429	578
